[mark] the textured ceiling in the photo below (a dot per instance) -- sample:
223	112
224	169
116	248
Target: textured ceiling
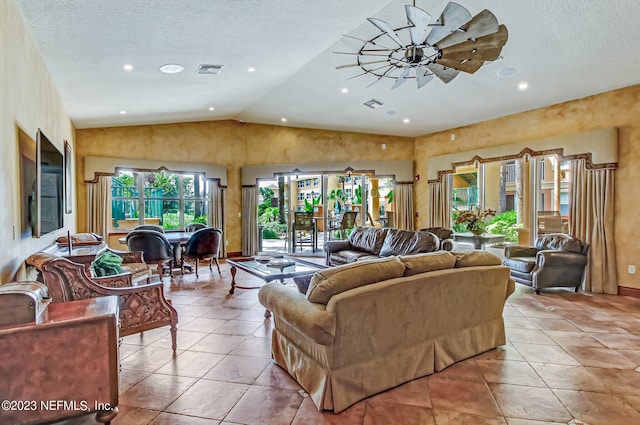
563	49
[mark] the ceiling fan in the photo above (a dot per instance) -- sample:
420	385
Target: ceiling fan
440	47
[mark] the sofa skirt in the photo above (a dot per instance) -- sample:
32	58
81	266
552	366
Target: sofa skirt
340	388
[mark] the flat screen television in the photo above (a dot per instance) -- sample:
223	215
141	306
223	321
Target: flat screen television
49	202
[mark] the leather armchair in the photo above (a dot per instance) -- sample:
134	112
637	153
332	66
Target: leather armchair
555	260
445	234
142	307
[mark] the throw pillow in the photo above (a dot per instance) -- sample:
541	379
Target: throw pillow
329	282
302	282
421	263
107	264
477	258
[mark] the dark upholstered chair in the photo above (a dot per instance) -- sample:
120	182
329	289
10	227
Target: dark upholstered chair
304	230
444	234
345	222
555	260
142	307
155	247
204	244
149	227
192	227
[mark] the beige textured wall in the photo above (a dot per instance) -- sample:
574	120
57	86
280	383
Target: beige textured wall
29	101
619	108
234	145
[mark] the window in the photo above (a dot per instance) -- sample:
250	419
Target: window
300	184
307	183
300	196
161	198
316	182
307	195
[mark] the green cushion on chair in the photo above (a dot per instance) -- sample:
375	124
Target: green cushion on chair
107	264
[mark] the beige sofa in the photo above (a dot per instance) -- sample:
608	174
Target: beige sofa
366	327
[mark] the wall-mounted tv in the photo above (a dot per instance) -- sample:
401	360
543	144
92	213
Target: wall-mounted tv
49	189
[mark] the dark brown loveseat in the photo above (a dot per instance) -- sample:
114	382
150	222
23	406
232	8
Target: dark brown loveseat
556	259
366	243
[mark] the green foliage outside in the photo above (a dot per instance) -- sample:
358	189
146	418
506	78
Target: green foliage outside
273	230
172	220
339	197
308	206
505	224
357	199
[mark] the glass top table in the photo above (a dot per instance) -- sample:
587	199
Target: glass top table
271	268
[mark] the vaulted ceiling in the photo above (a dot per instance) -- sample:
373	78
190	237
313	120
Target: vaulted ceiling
563	50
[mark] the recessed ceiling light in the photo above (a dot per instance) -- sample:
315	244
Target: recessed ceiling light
345	90
406	120
123	112
127	67
506	72
523	86
391	112
251	69
171	68
211	108
283	119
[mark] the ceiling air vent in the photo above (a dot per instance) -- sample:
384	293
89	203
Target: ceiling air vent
209	69
373	104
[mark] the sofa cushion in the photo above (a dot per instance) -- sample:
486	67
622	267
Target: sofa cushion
349	256
521	264
367	239
477	258
403	242
421	263
329	282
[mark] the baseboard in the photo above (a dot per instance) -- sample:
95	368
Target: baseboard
234	254
629	292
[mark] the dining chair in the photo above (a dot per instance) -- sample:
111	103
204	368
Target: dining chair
155	247
304	225
204	244
149	227
346	221
192	227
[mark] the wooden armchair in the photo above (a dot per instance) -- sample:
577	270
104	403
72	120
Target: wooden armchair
142	307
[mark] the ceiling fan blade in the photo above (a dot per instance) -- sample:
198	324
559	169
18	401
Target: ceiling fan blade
380	77
422	78
351	65
453	17
401	79
468	66
444	74
420	21
486	43
484	23
360	54
473	54
387	29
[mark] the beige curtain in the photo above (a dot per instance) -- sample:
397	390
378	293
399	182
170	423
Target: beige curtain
591	220
249	221
99	206
216	211
440	202
403	200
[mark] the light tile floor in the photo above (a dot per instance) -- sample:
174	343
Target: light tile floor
570	359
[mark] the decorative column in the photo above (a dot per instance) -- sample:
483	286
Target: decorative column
375	199
522	199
